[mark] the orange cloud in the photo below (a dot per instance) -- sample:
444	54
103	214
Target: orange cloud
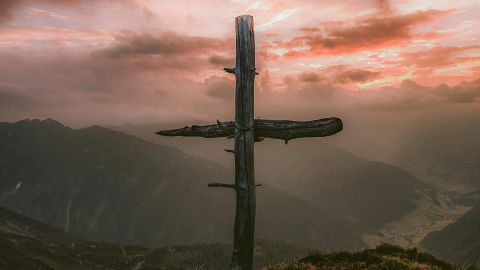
439	56
367	33
64	67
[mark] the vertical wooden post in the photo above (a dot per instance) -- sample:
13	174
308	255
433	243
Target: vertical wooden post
243	130
242	258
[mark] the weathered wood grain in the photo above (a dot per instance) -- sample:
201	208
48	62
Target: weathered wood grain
244	229
275	129
288	130
225	129
246	132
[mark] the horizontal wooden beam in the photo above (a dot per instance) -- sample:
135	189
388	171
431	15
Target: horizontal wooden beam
276	129
289	130
225	129
222	185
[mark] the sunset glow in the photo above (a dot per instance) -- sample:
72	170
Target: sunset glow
163	60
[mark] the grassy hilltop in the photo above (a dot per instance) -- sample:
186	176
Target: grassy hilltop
384	256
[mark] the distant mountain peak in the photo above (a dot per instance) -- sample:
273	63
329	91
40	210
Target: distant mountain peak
45	122
51	122
99	128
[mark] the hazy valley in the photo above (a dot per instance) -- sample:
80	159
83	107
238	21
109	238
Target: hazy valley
103	185
405	208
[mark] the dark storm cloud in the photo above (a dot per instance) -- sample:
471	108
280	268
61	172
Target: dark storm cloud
168	43
166	51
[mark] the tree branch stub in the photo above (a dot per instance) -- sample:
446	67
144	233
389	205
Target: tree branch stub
222	185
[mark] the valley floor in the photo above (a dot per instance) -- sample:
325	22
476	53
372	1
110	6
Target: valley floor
427	217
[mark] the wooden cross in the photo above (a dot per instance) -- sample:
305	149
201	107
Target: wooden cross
246	132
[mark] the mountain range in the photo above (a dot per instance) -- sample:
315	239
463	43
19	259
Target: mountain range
446	155
442	154
103	185
370	194
459	242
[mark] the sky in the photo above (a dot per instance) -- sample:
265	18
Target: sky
116	62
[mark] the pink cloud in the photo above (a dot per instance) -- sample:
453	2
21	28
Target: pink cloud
105	59
363	34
